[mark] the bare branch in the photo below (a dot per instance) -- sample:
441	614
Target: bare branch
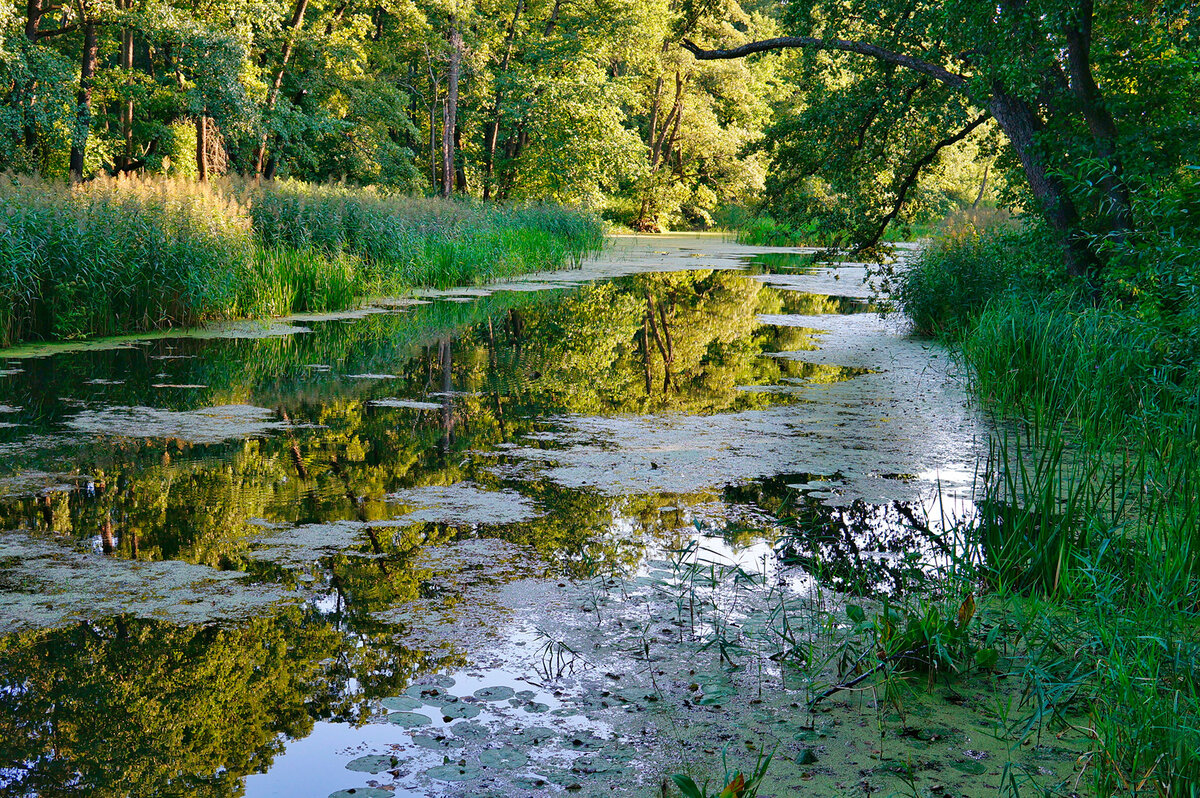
952	79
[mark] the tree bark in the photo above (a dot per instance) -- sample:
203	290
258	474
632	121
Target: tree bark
450	114
289	45
83	102
1100	122
1021	125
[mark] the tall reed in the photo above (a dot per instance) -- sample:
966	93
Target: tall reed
125	255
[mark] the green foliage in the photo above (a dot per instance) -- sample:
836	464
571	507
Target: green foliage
120	256
1091	492
970	262
111	257
734	784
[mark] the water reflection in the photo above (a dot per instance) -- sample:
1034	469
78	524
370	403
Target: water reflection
345	476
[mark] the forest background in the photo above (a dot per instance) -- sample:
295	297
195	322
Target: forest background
585	103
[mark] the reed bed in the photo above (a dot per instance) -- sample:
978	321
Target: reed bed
113	256
1089	523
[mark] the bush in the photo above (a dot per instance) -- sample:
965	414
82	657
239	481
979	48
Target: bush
970	262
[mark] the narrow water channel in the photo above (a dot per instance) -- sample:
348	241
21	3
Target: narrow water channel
531	539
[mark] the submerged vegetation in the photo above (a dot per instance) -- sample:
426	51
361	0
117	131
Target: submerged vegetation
127	255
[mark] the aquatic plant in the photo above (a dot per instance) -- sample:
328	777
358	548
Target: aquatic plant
128	255
735	784
1089	527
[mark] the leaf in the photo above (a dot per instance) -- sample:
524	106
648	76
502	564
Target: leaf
735	788
987	658
687	786
855	613
966	612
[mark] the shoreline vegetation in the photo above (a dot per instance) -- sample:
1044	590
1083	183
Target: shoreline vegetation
137	254
1087	533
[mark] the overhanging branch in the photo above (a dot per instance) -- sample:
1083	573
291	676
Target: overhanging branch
911	178
952	79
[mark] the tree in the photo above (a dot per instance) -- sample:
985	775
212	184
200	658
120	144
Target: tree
1027	65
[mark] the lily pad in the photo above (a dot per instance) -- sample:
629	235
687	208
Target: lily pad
401	703
536	707
534	735
471	731
361	792
372	764
424	692
437	743
506	758
498	693
455	771
530	783
584	741
595	766
458	709
408	720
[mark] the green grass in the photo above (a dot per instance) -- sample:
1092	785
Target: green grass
1090	505
110	257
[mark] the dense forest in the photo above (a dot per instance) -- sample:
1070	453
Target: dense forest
881	112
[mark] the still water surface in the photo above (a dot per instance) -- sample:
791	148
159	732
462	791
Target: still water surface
363	552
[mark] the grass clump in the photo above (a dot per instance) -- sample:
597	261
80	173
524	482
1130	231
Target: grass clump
110	257
404	241
128	255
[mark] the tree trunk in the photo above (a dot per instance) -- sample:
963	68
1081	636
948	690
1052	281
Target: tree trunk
450	114
83	113
125	159
492	130
460	169
273	95
1099	121
33	17
202	148
1021	125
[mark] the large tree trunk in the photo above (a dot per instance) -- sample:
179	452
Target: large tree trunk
1021	125
273	95
450	114
1099	121
83	113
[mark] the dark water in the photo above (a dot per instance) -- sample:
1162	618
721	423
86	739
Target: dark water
208	538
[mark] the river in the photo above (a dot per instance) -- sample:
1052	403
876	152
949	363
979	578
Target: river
574	533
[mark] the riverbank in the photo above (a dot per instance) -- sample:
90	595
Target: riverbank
1089	520
112	257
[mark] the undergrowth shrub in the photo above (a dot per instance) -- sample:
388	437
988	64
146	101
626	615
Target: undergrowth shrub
971	261
1090	509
